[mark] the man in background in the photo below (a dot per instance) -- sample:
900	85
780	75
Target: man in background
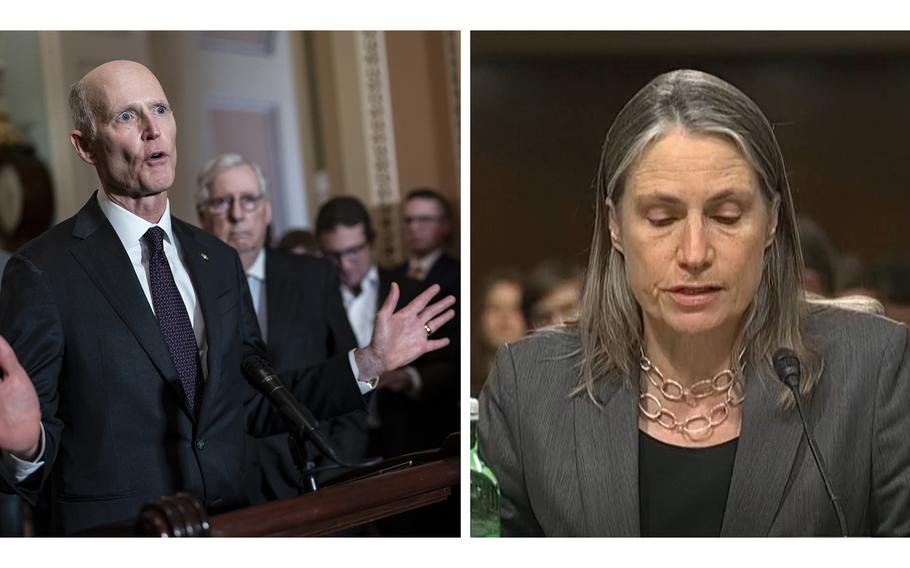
418	405
402	419
297	304
426	223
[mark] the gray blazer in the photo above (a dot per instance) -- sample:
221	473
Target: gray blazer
569	468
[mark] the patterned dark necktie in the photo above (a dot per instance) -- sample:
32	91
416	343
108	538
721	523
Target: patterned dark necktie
173	319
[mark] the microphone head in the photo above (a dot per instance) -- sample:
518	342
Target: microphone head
254	369
786	365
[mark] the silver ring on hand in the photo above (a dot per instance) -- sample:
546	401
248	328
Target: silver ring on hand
429	330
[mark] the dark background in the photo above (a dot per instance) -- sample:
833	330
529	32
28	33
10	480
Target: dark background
541	103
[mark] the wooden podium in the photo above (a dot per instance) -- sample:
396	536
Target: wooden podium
391	487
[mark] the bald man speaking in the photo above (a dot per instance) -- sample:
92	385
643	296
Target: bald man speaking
132	325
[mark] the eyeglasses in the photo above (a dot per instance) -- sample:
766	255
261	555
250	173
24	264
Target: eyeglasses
348	253
221	205
421	219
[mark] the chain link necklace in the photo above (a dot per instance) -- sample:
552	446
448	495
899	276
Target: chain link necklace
698	426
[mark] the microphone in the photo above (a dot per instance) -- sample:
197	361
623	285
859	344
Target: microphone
299	419
786	365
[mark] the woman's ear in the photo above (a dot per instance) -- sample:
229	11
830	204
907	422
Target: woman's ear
613	225
772	222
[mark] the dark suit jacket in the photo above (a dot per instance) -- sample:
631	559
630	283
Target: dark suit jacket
408	424
118	432
567	467
306	325
446	272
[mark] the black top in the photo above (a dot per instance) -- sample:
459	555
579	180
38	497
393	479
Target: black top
683	491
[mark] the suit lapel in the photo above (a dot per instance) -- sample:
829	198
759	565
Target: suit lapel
767	448
206	284
607	459
101	255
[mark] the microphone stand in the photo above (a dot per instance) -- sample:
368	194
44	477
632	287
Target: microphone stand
787	367
302	461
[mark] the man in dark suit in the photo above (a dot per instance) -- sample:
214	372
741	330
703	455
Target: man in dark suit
297	304
421	408
426	229
416	406
132	326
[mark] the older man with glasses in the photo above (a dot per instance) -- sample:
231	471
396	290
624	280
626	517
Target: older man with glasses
297	303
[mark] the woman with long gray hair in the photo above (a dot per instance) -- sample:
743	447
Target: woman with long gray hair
660	411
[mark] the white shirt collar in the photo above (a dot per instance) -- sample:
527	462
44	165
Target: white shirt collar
370	280
130	227
257	270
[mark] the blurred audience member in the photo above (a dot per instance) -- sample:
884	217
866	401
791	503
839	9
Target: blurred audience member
856	278
501	320
415	407
818	257
345	235
299	241
552	291
893	279
426	226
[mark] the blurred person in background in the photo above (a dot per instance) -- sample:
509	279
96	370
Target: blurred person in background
856	278
552	292
819	258
426	229
501	320
299	241
893	279
414	407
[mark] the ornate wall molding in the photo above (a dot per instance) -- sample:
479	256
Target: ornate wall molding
379	140
452	47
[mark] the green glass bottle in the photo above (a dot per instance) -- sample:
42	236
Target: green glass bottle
484	488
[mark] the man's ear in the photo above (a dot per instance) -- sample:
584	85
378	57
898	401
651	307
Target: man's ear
613	225
772	222
83	147
268	212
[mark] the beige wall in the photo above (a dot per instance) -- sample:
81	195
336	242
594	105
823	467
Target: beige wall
409	108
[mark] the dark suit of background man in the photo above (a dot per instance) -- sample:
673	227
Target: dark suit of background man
402	419
424	409
132	325
297	303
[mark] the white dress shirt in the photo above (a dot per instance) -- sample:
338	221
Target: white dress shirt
362	308
255	279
